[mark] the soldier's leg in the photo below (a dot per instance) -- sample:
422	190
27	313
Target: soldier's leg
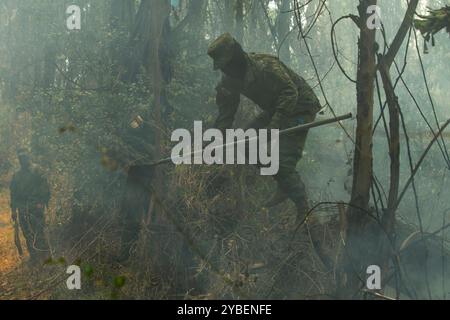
24	220
131	222
288	179
37	225
134	206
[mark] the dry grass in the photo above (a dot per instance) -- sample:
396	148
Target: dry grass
212	240
9	257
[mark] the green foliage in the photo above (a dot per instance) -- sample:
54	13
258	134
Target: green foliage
59	261
434	22
119	282
88	270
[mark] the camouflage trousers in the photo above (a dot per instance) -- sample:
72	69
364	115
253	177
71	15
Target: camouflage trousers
291	152
32	223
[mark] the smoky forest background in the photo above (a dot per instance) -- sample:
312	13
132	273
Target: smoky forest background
378	185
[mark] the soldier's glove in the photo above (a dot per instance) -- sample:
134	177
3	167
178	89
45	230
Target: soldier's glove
261	121
300	121
275	123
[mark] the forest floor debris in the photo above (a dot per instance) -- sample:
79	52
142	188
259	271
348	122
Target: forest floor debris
10	260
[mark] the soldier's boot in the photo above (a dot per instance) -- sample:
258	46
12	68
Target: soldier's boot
295	189
279	197
302	210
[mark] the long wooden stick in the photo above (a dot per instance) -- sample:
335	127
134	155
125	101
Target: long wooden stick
302	127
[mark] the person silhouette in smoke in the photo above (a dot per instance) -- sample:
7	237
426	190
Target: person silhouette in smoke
30	195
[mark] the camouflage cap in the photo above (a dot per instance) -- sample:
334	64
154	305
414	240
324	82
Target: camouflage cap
222	50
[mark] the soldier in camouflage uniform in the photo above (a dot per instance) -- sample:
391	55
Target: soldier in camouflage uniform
30	195
285	98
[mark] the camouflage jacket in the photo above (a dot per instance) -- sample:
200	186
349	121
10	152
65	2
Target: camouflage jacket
269	83
28	188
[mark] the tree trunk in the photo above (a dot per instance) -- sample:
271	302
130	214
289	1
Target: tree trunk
283	28
239	29
122	13
359	235
159	13
228	16
385	63
367	242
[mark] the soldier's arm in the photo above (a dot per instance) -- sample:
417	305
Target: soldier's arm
227	100
286	102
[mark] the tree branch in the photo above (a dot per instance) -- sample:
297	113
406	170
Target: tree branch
401	34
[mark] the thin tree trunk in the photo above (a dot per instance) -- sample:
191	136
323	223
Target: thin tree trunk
385	63
239	29
159	14
283	28
359	237
228	16
362	233
394	126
